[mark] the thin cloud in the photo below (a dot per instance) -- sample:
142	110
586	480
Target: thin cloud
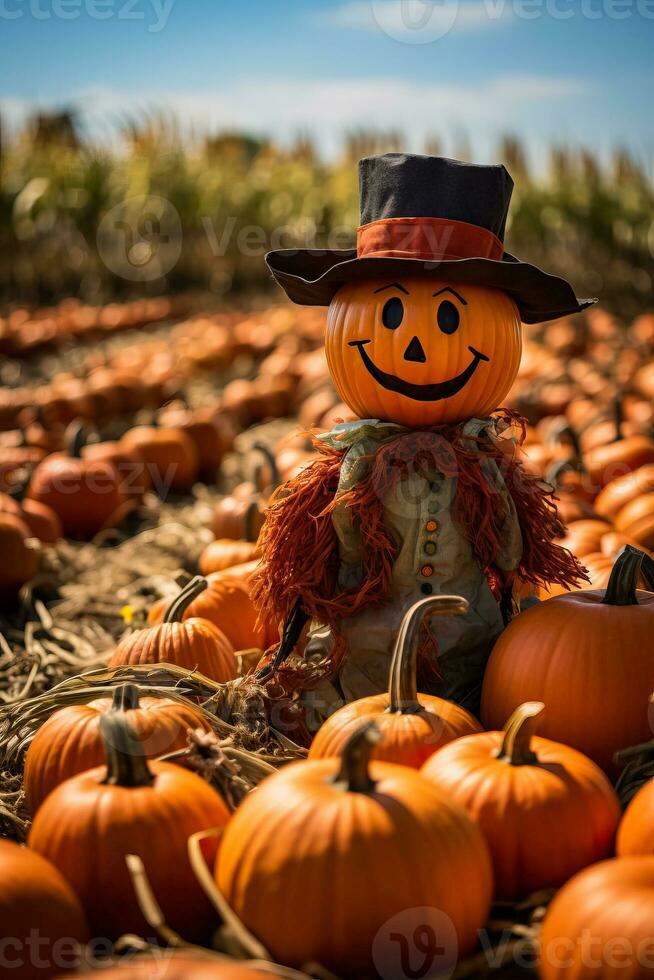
417	21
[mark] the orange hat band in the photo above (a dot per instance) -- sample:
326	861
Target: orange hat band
430	239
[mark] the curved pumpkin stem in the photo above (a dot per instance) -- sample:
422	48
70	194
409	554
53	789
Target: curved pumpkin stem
175	611
269	456
126	698
518	731
354	774
249	520
630	565
565	431
618	417
127	766
403	687
77	436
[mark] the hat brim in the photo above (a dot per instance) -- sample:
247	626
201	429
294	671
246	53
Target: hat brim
312	277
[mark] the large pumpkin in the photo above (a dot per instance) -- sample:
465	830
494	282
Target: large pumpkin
545	810
588	655
88	825
421	352
412	726
330	856
191	642
600	926
42	925
69	742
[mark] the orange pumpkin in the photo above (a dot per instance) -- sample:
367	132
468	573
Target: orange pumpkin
225	553
227	604
40	519
412	726
599	926
422	352
170	455
348	851
20	554
42	925
69	742
86	494
636	832
621	491
588	655
89	823
181	638
521	789
614	459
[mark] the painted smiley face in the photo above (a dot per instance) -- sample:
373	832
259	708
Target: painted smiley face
421	351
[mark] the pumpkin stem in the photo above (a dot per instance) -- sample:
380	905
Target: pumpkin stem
175	611
126	698
253	510
126	763
618	417
77	436
630	565
269	456
403	687
353	774
564	432
516	744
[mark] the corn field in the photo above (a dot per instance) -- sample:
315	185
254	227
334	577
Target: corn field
233	196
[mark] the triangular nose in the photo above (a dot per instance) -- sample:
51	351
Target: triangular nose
414	352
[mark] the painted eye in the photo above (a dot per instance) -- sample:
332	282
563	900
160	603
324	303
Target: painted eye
448	317
392	313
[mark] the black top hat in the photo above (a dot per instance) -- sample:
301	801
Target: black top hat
428	216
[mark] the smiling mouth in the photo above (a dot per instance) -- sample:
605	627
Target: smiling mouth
421	393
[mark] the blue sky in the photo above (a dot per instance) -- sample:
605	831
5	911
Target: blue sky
579	71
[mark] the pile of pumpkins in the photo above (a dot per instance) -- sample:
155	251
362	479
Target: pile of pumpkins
23	330
403	825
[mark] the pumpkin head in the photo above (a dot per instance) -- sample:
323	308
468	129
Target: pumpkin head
412	726
36	900
69	742
588	655
545	810
599	926
421	352
185	640
89	823
342	848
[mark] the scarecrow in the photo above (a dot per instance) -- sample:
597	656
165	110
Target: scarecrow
423	494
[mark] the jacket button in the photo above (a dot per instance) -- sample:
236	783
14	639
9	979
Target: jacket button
427	570
430	547
427	588
431	526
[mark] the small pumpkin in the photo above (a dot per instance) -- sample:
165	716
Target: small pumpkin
226	603
41	520
86	495
412	726
238	517
599	926
588	656
20	554
36	902
226	552
545	809
636	831
89	823
422	351
169	453
186	640
135	478
384	840
69	742
612	460
621	491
